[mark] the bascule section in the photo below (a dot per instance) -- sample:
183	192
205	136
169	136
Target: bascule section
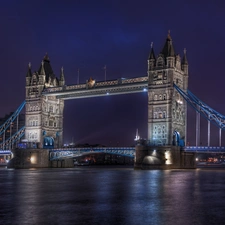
44	114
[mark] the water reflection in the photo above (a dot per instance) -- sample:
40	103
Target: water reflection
111	196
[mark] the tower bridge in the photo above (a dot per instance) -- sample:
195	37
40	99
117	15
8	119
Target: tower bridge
166	83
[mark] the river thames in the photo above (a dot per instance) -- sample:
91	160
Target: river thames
112	195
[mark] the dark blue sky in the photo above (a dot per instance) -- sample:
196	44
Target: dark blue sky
89	34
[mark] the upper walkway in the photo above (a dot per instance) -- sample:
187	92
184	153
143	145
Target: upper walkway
103	88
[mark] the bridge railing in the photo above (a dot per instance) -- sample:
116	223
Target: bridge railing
55	154
209	149
5	152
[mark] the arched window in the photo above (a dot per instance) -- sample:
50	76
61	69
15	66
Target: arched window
160	115
160	97
164	96
164	114
160	62
155	97
164	75
50	123
51	108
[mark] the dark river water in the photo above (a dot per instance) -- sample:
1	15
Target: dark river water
90	195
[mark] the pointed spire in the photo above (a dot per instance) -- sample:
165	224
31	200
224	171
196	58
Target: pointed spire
42	70
184	59
46	57
168	49
62	78
48	72
152	54
168	36
29	73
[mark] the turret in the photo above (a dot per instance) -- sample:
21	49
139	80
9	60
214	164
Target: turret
169	52
151	58
29	75
62	78
42	74
184	63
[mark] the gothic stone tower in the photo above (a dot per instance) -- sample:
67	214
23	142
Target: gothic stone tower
166	110
44	115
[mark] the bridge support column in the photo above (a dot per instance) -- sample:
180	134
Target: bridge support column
208	133
220	137
197	128
4	140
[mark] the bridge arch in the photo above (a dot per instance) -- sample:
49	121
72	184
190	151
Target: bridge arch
176	138
48	142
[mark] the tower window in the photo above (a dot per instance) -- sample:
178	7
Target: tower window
164	97
51	108
160	62
164	75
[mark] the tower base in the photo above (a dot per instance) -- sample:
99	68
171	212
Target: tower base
163	157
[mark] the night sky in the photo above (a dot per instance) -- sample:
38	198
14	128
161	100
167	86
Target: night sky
89	34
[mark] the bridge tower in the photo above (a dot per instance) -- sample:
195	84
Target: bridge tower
167	112
44	114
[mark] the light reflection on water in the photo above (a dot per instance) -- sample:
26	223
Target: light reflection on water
88	195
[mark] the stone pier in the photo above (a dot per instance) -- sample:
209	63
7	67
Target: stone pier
163	157
36	158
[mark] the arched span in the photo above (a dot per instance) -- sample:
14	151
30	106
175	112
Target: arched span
71	153
176	138
48	142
